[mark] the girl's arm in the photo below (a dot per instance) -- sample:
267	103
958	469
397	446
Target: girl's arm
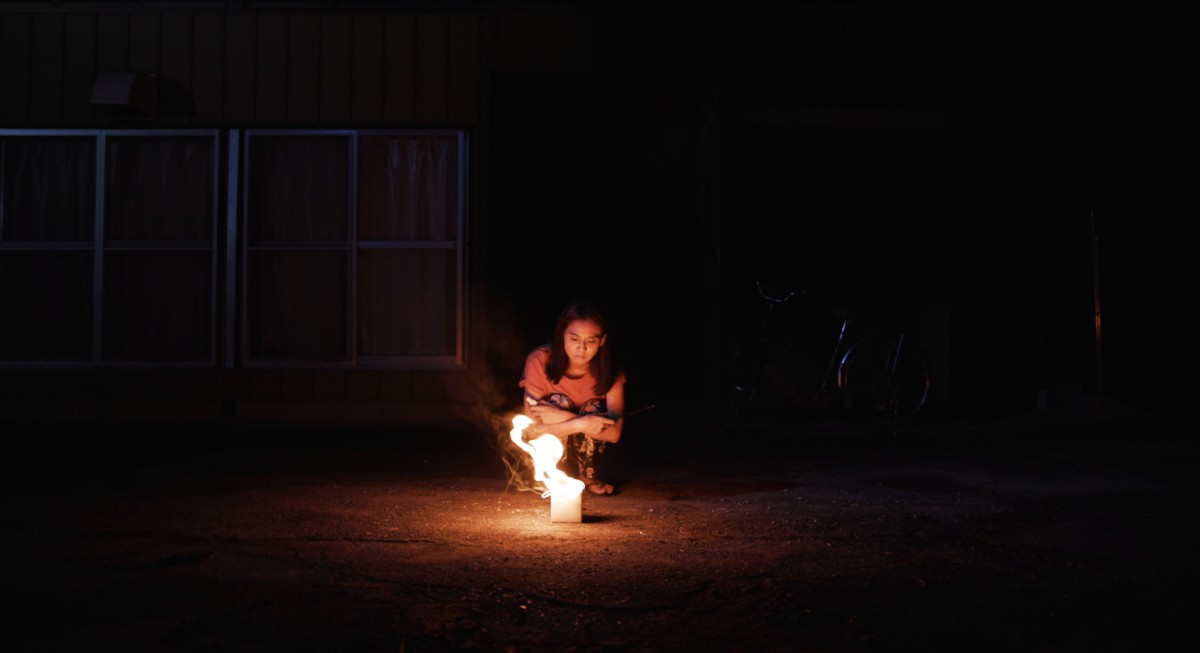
561	423
615	401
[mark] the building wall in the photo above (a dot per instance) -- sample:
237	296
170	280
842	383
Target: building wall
277	68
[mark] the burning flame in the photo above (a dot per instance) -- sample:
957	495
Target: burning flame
546	451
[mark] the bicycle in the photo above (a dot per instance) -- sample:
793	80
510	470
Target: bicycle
871	374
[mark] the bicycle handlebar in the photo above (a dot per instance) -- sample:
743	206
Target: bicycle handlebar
775	299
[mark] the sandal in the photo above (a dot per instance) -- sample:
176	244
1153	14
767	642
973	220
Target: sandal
600	488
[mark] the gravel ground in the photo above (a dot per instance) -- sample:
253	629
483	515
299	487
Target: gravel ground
1043	533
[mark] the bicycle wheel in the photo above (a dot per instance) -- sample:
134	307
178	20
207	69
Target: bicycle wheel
744	374
884	380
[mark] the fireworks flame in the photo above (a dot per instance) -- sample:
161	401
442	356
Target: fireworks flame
546	451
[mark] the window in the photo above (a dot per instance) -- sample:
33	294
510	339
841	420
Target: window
410	226
107	246
160	221
354	247
339	248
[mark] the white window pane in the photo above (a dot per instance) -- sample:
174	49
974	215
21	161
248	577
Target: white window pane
158	306
48	189
408	187
297	305
160	189
47	300
298	189
407	303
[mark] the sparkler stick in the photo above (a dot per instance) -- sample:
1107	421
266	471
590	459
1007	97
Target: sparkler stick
632	412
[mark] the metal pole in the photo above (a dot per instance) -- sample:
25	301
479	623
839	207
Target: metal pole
1096	306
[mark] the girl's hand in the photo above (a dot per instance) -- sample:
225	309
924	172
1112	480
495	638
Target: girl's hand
533	431
594	425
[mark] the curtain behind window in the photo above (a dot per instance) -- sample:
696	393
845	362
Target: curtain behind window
47	217
159	256
298	248
408	276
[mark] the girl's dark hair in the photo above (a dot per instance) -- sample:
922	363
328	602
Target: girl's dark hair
604	366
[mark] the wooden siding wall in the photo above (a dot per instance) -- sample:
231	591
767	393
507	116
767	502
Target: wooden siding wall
273	69
279	68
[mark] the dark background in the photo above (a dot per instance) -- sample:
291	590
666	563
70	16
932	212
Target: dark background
968	171
987	176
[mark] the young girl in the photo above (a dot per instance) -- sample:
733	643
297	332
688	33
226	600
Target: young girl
575	390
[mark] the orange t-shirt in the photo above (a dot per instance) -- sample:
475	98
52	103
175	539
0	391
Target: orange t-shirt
580	391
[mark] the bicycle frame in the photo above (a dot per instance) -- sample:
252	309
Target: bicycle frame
836	359
870	374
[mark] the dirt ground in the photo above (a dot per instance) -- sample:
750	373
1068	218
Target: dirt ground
1042	533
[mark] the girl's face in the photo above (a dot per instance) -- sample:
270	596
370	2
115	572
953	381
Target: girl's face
581	340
